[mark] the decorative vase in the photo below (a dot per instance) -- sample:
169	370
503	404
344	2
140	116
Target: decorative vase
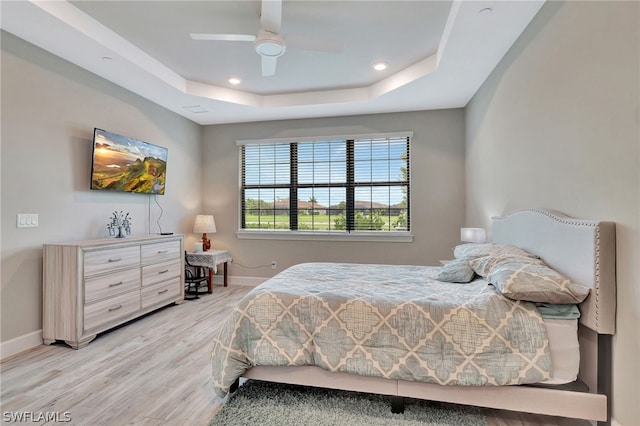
120	225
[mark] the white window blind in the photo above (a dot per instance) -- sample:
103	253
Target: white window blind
333	185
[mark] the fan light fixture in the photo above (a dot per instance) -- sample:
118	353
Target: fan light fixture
269	44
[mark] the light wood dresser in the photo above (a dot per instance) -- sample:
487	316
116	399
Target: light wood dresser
92	286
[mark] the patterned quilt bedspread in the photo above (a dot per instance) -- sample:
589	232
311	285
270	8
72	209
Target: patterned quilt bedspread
388	321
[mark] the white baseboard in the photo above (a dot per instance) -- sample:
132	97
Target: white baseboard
21	343
248	281
239	280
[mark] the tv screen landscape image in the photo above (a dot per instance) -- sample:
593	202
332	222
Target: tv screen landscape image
125	164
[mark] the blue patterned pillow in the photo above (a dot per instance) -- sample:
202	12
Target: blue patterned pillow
483	265
535	283
456	271
487	249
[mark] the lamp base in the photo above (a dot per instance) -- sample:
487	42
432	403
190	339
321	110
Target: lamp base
206	243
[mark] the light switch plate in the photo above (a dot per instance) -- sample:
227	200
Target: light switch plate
27	220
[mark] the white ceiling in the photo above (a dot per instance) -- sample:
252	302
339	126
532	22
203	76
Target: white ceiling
439	52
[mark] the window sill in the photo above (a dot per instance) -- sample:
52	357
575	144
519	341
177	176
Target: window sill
384	237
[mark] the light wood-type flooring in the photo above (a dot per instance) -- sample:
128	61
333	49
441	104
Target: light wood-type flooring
152	371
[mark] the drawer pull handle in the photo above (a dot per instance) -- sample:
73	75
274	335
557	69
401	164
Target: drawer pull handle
116	284
163	272
115	308
115	260
163	251
163	291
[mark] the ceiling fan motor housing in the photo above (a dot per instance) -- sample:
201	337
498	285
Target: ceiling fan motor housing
269	44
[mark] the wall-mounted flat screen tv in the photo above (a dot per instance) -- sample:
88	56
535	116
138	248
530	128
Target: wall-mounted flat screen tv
125	164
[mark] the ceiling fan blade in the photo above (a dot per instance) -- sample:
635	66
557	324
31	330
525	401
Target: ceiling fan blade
315	44
271	16
269	65
222	37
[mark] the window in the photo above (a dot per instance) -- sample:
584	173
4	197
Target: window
335	185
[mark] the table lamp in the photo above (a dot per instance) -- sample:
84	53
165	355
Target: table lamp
473	235
204	224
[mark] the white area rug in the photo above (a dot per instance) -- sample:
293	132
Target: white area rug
258	403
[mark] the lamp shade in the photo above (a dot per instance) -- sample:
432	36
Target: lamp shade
473	235
205	224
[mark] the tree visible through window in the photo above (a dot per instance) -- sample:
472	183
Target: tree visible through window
326	185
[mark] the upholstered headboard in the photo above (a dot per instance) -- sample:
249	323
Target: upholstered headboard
583	250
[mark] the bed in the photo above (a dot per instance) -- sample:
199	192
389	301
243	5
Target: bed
272	336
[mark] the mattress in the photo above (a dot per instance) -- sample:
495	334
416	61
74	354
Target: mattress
565	353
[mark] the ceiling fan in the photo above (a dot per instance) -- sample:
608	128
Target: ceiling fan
269	43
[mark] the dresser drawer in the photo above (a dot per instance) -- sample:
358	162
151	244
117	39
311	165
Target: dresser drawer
158	293
159	252
153	274
103	286
102	312
99	261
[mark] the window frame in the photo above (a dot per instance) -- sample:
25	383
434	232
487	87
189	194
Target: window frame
330	235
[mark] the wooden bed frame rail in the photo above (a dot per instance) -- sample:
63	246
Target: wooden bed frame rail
530	399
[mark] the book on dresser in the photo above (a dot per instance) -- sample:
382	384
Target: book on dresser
92	286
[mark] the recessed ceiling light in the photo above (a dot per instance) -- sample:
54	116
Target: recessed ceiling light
485	11
234	80
379	66
107	58
197	109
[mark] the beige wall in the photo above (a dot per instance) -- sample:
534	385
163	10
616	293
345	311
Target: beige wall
556	125
437	197
49	110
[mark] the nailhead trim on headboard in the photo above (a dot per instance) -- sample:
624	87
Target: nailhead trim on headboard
599	299
596	277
